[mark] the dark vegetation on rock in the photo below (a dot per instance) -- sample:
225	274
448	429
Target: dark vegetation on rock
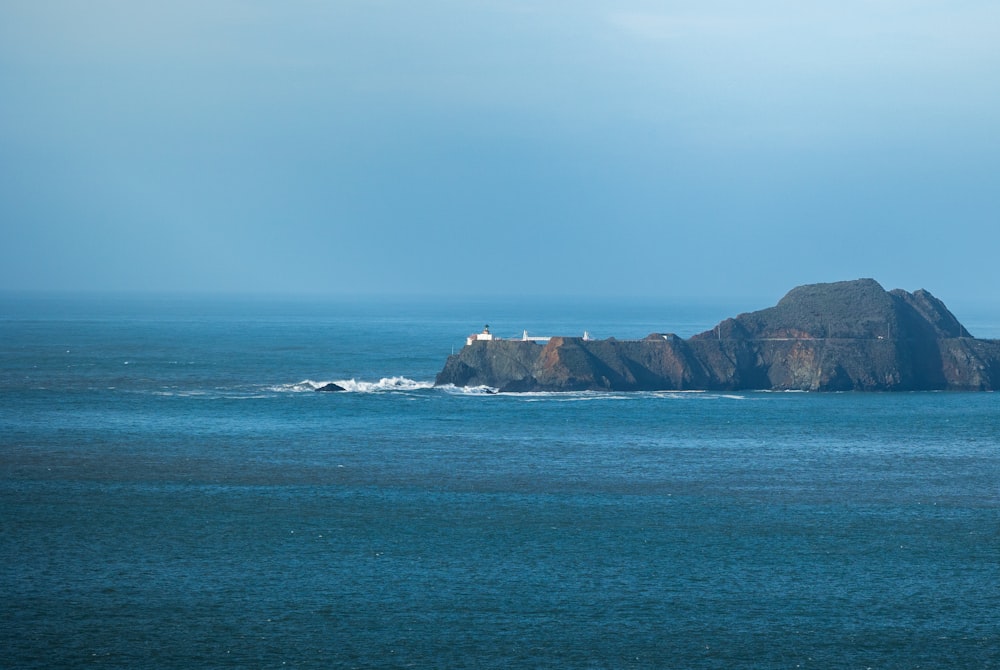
840	336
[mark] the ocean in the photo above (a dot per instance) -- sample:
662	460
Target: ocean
174	494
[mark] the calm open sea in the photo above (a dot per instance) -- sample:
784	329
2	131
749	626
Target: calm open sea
173	494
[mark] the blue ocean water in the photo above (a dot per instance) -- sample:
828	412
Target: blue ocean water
173	494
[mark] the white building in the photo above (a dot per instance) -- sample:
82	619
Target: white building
485	335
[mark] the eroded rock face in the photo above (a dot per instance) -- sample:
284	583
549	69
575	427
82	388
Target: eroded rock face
484	363
842	336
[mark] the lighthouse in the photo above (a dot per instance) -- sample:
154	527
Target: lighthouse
477	337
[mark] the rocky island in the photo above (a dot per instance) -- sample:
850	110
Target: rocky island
840	336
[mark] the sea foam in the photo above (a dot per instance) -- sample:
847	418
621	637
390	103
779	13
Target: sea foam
386	384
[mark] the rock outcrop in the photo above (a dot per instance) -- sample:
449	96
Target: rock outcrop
841	336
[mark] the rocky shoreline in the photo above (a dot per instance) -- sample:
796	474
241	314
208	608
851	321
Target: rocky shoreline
839	336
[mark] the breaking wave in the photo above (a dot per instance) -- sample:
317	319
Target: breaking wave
468	390
588	396
404	385
386	384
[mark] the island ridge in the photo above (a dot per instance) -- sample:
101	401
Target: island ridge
840	336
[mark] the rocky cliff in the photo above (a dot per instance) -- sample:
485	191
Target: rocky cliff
841	336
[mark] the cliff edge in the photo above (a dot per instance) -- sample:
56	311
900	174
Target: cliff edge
840	336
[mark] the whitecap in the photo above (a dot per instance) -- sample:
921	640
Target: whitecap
386	384
383	385
468	390
299	387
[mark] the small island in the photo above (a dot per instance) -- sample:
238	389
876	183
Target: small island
840	336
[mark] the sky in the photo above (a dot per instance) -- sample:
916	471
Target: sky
681	150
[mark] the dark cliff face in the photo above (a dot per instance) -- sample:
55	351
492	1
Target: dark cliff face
823	337
495	363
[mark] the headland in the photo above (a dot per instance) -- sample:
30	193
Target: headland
840	336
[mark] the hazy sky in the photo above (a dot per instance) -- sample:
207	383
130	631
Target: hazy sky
676	149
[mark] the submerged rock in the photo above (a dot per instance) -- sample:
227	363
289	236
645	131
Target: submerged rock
840	336
330	388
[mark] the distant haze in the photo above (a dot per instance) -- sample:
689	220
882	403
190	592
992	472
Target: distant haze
626	148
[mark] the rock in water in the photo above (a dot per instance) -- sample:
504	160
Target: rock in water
851	335
330	388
